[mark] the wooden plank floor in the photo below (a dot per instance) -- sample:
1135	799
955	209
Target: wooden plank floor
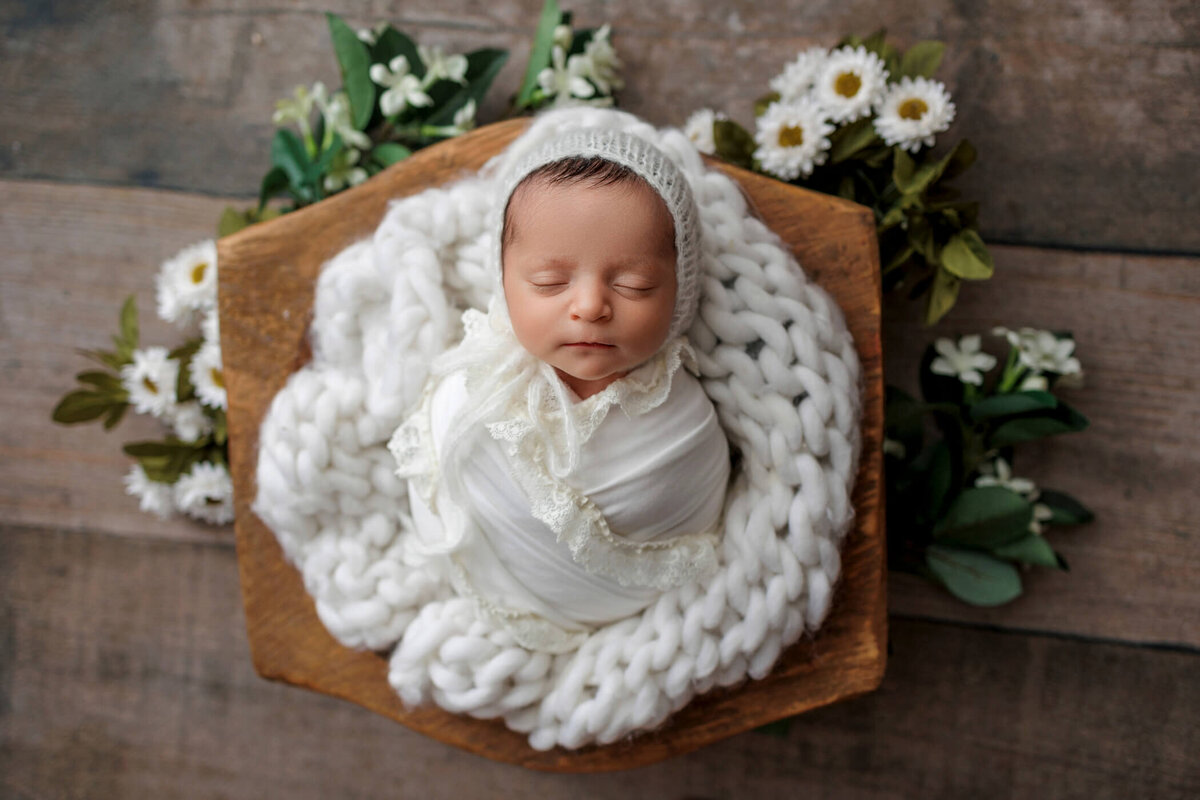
124	669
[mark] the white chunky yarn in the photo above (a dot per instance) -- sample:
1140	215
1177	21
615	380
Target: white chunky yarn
775	358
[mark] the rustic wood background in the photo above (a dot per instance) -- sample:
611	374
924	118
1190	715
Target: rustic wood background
127	125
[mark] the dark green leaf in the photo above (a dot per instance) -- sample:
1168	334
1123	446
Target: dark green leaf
921	60
762	103
779	728
186	350
274	183
354	61
318	168
977	578
115	414
942	296
129	323
164	449
81	405
912	177
104	381
1061	419
875	42
733	143
851	140
1007	405
960	158
985	517
392	43
389	153
482	68
938	388
966	256
539	55
939	480
106	357
289	155
1067	510
1032	549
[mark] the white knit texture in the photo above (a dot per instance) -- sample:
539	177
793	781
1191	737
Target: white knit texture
777	361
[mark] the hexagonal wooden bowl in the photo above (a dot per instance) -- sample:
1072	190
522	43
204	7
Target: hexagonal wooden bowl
267	278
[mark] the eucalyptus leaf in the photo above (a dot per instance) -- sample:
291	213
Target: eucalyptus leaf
1066	509
82	405
539	55
1007	405
1061	419
921	60
974	577
1032	549
733	143
985	517
966	256
942	296
354	61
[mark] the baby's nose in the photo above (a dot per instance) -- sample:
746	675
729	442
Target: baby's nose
590	303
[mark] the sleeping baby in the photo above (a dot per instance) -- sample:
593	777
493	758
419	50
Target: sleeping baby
565	466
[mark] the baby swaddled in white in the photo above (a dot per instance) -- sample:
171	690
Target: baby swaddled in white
565	467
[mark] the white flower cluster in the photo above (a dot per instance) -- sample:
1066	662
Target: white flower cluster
186	292
821	90
587	78
1038	352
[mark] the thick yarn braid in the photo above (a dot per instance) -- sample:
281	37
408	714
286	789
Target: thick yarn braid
776	360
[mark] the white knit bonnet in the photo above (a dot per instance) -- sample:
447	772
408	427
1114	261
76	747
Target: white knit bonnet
651	165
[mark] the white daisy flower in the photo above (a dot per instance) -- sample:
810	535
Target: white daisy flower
792	139
299	107
912	111
566	79
699	128
187	283
403	88
797	78
344	171
210	326
850	83
336	112
438	65
151	381
964	361
208	377
1042	351
190	422
999	473
602	58
154	497
206	493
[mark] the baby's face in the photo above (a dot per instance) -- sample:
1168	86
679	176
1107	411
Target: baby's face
589	277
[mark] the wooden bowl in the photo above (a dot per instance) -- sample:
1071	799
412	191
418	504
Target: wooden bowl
267	278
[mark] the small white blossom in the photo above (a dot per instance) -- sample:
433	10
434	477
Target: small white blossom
153	497
208	377
344	171
1034	383
370	36
336	112
439	65
564	37
187	283
792	138
699	128
999	473
603	61
797	78
1041	514
190	422
151	381
566	79
206	493
464	118
1042	351
403	88
850	83
299	107
912	111
963	361
894	447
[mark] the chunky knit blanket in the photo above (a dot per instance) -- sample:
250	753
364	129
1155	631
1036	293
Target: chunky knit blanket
775	358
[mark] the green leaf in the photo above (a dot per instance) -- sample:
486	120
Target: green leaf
389	153
762	103
354	60
852	139
913	178
779	728
482	68
392	43
1061	419
289	155
733	143
974	577
81	405
129	323
921	60
940	477
232	221
1067	510
104	381
274	183
106	357
1033	549
985	517
960	158
167	449
1007	405
115	415
966	256
942	296
539	54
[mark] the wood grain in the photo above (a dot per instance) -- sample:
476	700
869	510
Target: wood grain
1085	112
267	278
124	673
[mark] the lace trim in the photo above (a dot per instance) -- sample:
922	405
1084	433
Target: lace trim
412	447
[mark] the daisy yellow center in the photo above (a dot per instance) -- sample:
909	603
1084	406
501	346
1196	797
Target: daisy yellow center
217	378
913	108
847	84
791	136
150	385
198	271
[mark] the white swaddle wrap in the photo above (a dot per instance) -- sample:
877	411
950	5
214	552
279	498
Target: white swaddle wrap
555	514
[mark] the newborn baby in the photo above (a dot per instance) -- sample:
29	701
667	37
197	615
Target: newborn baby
565	468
